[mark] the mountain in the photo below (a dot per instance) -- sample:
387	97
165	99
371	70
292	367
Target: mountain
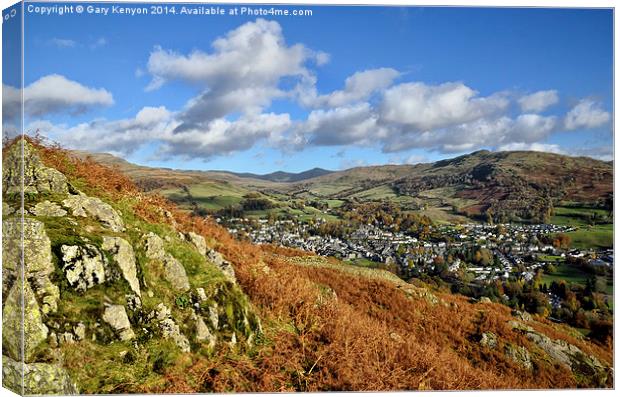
281	176
125	293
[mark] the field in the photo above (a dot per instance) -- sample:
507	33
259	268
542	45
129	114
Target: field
587	236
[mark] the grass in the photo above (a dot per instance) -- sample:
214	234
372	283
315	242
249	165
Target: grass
567	273
599	236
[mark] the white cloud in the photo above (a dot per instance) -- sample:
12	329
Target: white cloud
538	101
358	87
52	94
586	114
100	42
222	137
241	74
63	43
121	137
426	107
536	147
354	125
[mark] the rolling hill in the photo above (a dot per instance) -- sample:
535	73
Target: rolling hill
500	185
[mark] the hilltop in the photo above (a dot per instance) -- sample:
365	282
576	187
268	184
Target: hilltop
497	186
127	293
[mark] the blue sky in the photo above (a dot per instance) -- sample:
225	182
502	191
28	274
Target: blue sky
344	87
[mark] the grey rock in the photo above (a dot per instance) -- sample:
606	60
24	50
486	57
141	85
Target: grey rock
123	255
485	299
523	316
174	273
48	208
17	319
38	378
218	260
489	339
37	178
567	355
80	331
85	206
37	255
84	266
203	333
202	296
154	247
168	327
519	355
116	317
198	241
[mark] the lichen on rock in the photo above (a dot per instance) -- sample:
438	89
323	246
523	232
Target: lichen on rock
37	378
37	178
116	317
123	254
85	206
84	266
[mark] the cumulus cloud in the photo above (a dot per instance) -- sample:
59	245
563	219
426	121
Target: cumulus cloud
241	74
53	94
538	101
355	125
120	137
426	107
223	137
357	87
537	147
586	114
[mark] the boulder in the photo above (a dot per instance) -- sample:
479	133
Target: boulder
519	355
218	260
168	327
567	355
37	178
37	259
203	333
84	266
174	273
198	241
84	206
116	317
38	378
48	208
154	247
489	339
523	316
123	255
17	319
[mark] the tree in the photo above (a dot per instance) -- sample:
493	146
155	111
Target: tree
562	241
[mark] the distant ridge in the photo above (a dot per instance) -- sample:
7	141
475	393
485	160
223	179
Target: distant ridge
281	176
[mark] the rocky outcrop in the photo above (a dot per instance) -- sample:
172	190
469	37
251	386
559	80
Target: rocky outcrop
116	317
37	255
84	206
38	378
174	272
563	353
519	355
84	266
489	339
198	241
168	328
218	260
33	328
36	177
48	208
123	255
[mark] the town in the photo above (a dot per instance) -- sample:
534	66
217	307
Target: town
516	249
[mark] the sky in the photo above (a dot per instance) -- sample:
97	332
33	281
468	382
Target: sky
345	87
